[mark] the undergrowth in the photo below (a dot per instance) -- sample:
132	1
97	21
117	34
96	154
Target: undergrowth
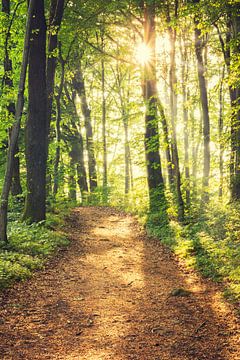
30	246
209	242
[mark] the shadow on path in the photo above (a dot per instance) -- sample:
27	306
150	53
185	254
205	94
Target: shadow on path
109	296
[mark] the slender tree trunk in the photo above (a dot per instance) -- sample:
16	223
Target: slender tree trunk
72	181
79	86
58	139
186	149
104	136
173	105
78	151
77	157
220	133
166	142
55	19
36	126
126	153
153	161
58	125
185	69
15	128
77	148
235	104
124	112
16	187
199	46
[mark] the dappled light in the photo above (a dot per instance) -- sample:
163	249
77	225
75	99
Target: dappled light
113	296
119	180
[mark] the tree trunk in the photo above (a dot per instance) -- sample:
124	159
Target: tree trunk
16	187
58	139
199	45
104	137
79	86
220	133
36	126
173	106
235	104
15	128
185	69
166	143
154	170
77	157
58	124
72	181
55	19
124	112
126	154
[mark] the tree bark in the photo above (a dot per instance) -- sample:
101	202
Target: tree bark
77	157
166	143
173	106
36	126
79	85
199	46
55	19
104	135
127	156
72	182
220	133
58	150
16	127
58	125
16	187
235	104
185	69
151	141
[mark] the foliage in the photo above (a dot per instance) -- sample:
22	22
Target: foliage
30	246
209	243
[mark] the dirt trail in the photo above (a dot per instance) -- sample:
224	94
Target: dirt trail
108	296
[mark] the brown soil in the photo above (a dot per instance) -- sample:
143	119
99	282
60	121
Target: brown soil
110	295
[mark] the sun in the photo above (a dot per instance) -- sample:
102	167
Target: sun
143	53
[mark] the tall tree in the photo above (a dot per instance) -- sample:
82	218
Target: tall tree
58	97
104	118
16	126
173	106
220	132
16	187
79	85
200	43
185	71
36	126
55	19
154	170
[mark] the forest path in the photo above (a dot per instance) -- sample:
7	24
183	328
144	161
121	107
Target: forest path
108	296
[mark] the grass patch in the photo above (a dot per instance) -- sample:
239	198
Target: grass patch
210	244
30	246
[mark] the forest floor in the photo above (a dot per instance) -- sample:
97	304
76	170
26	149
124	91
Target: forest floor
114	294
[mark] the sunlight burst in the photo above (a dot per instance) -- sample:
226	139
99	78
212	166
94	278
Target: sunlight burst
143	53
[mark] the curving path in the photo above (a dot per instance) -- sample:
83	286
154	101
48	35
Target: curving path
110	295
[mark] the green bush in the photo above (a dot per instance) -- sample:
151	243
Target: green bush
211	244
29	246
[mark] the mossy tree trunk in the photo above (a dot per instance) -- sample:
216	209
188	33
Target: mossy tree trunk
16	127
7	82
153	161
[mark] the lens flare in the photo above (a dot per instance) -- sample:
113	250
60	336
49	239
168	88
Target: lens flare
143	53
